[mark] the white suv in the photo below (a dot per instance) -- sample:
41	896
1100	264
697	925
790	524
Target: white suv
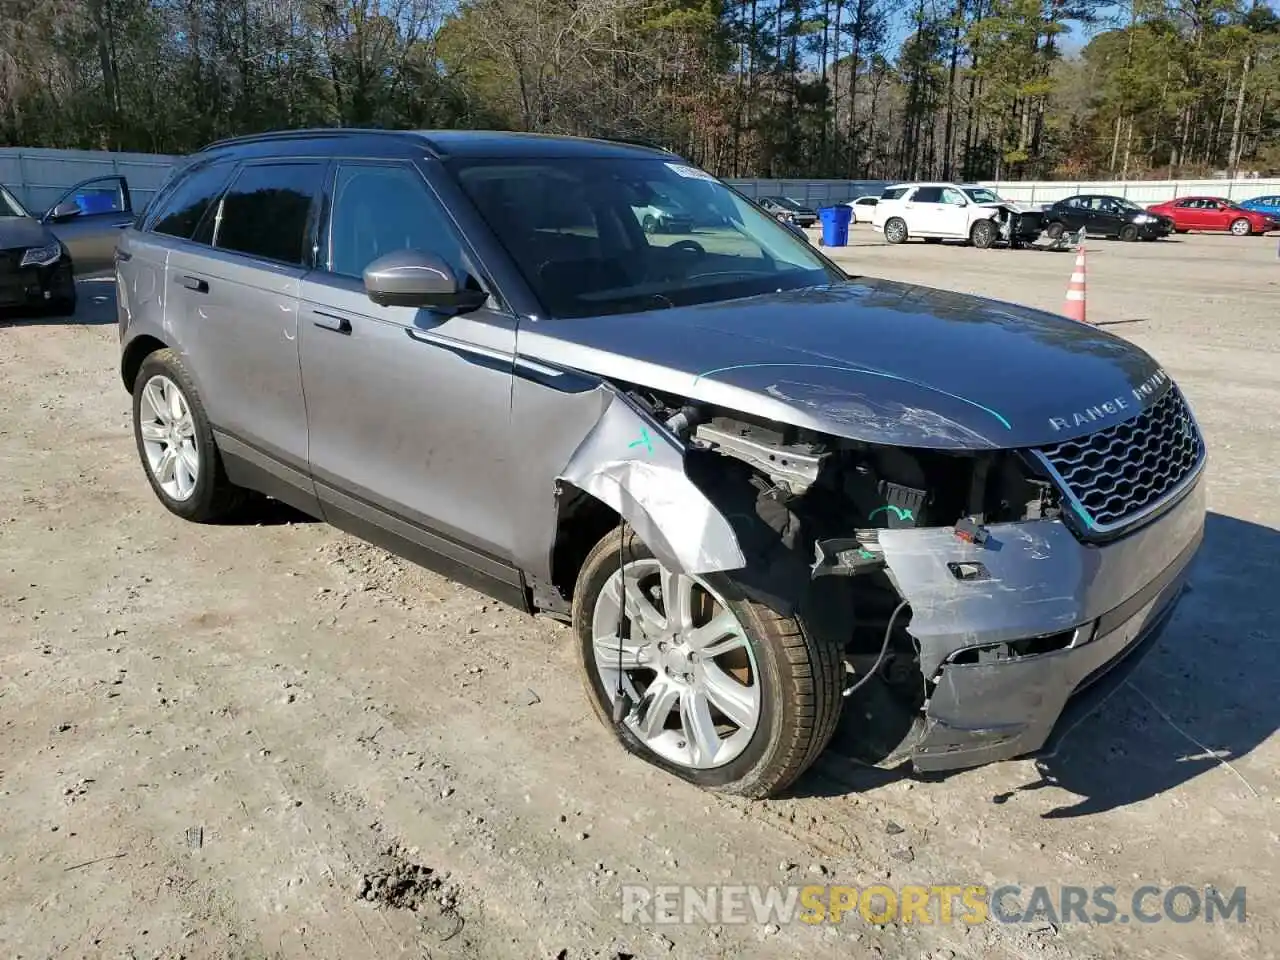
948	211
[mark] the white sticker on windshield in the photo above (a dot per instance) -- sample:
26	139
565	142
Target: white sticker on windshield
692	173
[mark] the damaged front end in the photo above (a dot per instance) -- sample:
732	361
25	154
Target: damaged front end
984	602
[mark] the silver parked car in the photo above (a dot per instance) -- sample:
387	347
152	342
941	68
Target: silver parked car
755	486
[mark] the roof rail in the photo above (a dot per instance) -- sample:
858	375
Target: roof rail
638	142
303	134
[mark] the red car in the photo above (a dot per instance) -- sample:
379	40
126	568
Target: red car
1213	214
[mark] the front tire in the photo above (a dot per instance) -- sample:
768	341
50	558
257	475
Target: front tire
895	230
983	234
1128	233
1241	227
1054	230
175	442
724	692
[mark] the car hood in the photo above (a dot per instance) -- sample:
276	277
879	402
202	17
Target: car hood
871	360
22	232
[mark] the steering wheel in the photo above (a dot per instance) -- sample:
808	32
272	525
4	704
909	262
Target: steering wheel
693	246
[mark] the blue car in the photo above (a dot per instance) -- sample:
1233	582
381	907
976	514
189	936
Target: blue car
1268	205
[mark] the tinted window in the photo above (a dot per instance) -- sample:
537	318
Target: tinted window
894	193
928	195
180	211
267	211
380	209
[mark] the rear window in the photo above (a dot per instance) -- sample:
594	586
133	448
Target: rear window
267	211
178	213
894	193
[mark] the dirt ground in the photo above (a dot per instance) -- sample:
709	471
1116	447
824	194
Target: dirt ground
271	740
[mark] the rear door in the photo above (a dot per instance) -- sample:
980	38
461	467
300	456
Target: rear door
409	409
925	212
105	208
236	305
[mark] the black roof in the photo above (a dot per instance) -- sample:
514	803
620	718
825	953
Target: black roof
443	144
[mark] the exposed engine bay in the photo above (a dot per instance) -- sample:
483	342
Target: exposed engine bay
809	510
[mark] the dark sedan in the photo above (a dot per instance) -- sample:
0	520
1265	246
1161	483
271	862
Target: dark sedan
35	266
792	209
1105	216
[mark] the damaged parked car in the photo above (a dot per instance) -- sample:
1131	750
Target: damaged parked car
758	489
948	211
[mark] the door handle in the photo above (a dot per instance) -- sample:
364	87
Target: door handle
331	321
194	283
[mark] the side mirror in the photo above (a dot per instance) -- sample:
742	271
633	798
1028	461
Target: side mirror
411	278
64	211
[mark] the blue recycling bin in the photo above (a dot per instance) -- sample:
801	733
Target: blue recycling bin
835	225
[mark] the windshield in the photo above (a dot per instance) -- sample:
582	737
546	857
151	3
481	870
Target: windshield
575	228
9	205
982	195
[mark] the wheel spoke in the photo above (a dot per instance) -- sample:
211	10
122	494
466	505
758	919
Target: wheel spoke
659	700
699	728
736	701
167	465
183	477
718	637
153	432
153	393
634	653
173	397
190	461
677	599
638	606
186	427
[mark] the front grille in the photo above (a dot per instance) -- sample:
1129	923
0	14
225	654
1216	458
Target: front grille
1118	475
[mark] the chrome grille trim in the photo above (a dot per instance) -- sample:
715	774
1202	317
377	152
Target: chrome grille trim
1120	475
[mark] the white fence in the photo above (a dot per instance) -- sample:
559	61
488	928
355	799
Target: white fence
38	177
1145	192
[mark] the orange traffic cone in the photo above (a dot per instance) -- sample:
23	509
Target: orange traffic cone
1074	306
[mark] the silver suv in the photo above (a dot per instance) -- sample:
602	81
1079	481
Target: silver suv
756	487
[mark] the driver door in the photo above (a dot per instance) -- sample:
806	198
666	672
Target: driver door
104	209
408	410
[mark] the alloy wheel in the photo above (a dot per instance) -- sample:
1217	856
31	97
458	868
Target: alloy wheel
686	665
1240	227
169	437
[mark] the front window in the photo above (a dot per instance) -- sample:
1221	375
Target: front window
982	195
9	205
570	225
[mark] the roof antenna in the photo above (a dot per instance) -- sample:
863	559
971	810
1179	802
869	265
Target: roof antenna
622	699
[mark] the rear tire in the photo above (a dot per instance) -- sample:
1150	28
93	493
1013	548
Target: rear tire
211	496
895	230
1128	233
796	678
983	234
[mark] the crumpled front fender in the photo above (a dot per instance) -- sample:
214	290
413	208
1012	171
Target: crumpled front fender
637	468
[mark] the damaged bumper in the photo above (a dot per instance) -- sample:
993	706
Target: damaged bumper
1034	642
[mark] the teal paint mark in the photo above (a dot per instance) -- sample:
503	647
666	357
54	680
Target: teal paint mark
644	441
1088	520
853	369
898	512
866	554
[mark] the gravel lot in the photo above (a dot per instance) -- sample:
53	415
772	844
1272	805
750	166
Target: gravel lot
270	740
